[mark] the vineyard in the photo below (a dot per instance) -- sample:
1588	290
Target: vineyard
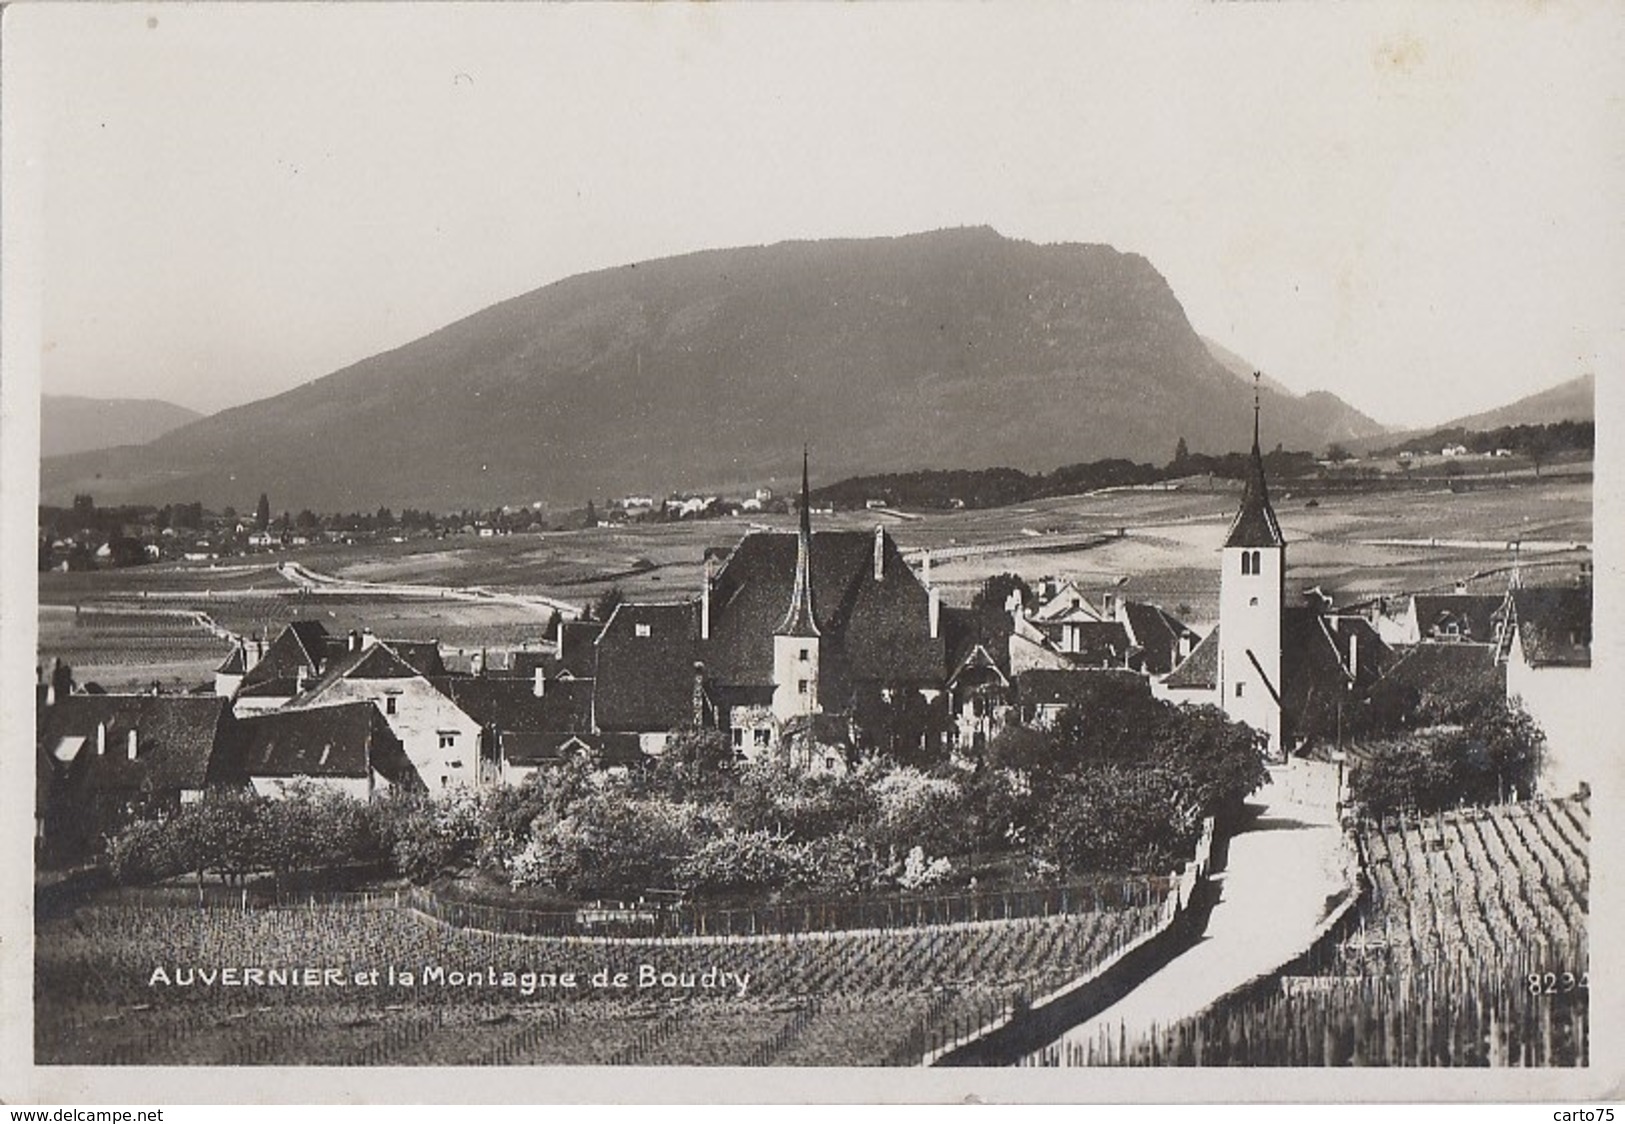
853	998
1469	949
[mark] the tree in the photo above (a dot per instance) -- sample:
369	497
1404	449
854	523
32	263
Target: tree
591	519
262	514
1337	452
1182	453
605	606
84	505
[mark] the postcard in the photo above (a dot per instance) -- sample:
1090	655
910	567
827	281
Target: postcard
1038	553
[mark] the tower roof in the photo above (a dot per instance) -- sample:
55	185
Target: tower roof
1255	523
800	620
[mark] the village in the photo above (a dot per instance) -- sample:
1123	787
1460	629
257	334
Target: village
814	650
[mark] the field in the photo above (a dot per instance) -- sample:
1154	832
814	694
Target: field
1355	545
1469	950
855	998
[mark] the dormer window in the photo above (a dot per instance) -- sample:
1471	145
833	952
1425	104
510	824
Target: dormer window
640	630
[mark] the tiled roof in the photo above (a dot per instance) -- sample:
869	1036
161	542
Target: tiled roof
177	738
1472	615
1099	643
376	662
301	645
1047	687
645	669
1554	625
1158	635
422	656
1255	523
535	749
1438	680
326	741
513	705
872	630
1200	670
235	663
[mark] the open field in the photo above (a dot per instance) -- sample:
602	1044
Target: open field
862	998
1347	543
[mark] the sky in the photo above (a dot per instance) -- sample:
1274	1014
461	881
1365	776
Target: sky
1418	208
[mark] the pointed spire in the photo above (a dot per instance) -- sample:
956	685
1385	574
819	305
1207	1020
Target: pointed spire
800	620
1255	523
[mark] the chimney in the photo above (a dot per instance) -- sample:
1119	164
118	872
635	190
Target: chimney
538	684
1461	587
699	693
367	638
354	641
1354	654
101	738
936	611
1108	606
477	662
705	601
300	678
50	694
880	552
132	744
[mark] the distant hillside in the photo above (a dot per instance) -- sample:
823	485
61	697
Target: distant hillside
70	424
1572	401
1336	418
959	348
1575	400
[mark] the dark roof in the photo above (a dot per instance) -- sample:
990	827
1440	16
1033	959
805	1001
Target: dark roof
1554	625
513	705
1315	676
1370	653
872	630
1473	616
301	645
1158	635
281	688
177	739
377	661
1439	680
1255	524
534	749
1054	687
1099	643
1200	670
646	682
422	656
235	663
347	740
799	618
574	658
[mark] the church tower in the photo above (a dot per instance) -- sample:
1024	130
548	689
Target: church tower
796	640
1251	594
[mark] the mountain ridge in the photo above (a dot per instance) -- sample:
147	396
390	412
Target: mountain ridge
955	348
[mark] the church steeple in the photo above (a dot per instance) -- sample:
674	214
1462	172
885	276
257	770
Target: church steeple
800	620
1255	524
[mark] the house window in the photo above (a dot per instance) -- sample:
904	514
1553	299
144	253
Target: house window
1246	562
445	781
641	629
447	741
1252	601
1258	562
389	704
761	738
804	655
1239	689
801	686
739	737
829	762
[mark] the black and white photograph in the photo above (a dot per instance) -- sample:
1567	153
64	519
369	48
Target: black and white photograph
1044	551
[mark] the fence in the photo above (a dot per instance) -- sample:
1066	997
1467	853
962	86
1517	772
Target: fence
652	920
1024	1024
